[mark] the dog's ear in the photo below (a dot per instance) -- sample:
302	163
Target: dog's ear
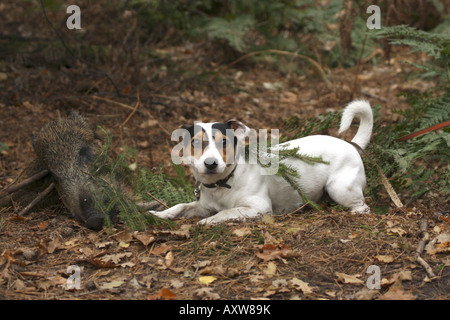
240	130
188	133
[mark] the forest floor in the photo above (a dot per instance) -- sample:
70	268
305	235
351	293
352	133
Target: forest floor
308	255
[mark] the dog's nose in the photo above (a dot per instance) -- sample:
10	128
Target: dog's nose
211	163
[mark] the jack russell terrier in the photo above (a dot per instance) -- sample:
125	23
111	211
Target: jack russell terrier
232	190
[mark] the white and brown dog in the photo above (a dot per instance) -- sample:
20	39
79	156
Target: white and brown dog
232	190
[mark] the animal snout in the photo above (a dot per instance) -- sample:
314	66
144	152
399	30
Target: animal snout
211	163
91	218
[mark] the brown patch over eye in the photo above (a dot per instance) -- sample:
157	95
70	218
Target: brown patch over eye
198	144
225	146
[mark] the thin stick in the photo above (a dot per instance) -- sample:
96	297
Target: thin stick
40	196
299	209
115	102
24	183
418	255
138	103
147	113
162	203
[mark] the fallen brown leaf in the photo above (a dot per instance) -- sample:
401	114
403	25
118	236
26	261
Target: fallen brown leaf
301	285
168	259
269	252
350	279
384	258
163	294
396	292
160	250
144	238
206	294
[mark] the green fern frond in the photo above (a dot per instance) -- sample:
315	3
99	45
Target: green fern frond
232	31
160	185
436	45
439	111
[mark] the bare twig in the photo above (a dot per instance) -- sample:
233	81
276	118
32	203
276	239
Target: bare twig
23	183
138	102
298	209
162	203
144	112
425	237
36	200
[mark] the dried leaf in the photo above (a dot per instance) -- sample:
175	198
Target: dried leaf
163	294
112	284
202	264
269	252
176	284
398	231
124	236
168	260
301	286
271	269
182	233
102	264
439	244
123	244
128	264
207	280
161	249
48	245
115	258
145	239
43	225
206	293
384	258
268	219
350	279
242	232
396	292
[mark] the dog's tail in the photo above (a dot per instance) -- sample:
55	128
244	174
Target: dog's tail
360	109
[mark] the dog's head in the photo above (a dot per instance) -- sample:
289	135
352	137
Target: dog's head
212	148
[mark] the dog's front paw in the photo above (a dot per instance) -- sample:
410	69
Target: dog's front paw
364	209
210	221
161	214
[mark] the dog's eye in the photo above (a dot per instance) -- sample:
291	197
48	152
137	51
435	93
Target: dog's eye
196	143
224	142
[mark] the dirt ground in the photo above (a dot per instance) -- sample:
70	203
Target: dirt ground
307	255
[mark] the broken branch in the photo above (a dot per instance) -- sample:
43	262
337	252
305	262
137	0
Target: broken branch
36	200
425	237
24	183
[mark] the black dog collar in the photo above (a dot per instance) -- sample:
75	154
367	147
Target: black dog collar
221	183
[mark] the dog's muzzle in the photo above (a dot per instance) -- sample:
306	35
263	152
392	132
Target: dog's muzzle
211	164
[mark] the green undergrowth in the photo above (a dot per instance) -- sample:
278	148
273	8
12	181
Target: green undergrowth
121	189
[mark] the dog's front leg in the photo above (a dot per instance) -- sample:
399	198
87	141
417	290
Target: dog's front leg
183	210
239	213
